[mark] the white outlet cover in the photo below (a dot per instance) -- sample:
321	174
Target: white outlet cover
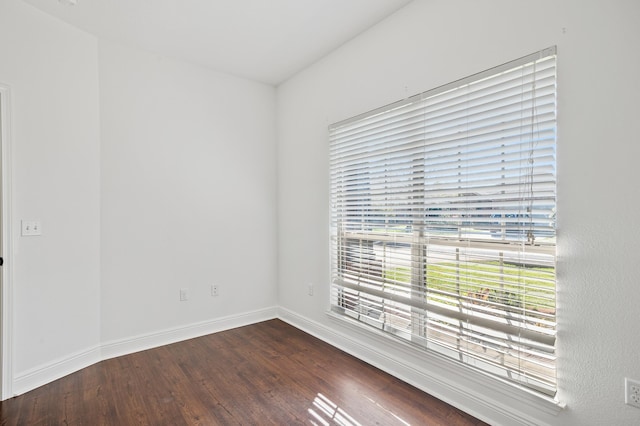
632	392
184	294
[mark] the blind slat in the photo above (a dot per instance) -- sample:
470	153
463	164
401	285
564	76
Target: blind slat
443	220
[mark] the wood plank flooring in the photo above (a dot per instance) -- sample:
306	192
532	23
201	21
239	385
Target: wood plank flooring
263	374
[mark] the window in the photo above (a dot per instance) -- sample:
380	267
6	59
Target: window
443	220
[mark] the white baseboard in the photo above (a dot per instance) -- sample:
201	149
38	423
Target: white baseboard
471	392
47	373
54	370
165	337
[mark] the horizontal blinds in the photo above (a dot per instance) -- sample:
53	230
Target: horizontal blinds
443	220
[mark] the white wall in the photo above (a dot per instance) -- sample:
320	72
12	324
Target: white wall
430	43
51	70
173	164
188	195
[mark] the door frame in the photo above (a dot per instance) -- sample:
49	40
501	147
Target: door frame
6	290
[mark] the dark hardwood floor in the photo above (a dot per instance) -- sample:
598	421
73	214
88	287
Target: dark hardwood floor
263	374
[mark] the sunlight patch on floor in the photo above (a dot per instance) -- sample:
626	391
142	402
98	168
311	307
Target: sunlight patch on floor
325	412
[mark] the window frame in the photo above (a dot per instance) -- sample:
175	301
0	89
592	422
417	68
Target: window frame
415	240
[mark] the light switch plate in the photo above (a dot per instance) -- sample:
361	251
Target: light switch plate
31	228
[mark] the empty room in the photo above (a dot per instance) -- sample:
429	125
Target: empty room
319	212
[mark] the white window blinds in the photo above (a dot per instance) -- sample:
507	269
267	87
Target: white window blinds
443	220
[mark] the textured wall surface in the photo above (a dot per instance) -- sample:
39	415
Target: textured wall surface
188	193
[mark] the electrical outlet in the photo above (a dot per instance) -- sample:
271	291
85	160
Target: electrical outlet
184	294
632	392
310	289
215	290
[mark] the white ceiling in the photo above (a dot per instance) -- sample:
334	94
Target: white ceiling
263	40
